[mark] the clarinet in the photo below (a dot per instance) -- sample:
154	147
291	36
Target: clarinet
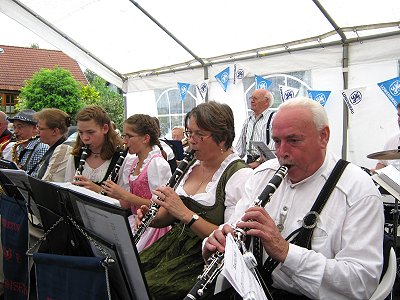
115	171
173	182
216	261
82	161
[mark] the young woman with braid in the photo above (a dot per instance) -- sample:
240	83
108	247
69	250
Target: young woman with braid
148	171
104	146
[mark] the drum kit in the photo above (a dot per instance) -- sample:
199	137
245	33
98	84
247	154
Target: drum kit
391	210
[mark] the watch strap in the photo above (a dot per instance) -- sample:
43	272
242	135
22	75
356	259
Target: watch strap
194	218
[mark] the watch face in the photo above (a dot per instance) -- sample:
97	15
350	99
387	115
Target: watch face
196	217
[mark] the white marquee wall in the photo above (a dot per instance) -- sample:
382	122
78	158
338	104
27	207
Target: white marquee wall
370	62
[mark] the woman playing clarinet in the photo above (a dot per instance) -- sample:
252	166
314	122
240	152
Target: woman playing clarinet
205	198
148	170
103	149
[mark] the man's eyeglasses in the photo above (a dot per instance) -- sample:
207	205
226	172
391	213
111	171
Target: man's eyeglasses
21	126
127	136
196	135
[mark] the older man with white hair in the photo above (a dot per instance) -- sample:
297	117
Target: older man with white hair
338	252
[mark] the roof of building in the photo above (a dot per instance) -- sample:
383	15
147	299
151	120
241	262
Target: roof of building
18	64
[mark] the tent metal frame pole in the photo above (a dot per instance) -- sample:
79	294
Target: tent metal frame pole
345	72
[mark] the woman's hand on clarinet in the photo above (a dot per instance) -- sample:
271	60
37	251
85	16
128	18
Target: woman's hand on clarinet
169	200
82	181
113	190
260	224
216	241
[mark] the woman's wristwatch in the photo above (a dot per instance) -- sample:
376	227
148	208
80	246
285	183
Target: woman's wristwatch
195	217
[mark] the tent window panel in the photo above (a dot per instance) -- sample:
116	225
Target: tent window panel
172	110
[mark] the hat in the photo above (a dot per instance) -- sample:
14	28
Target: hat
25	115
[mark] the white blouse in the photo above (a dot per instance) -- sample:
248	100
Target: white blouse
93	174
233	189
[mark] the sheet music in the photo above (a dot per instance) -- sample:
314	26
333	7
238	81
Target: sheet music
391	176
238	274
85	191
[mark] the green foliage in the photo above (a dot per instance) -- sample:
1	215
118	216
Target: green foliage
89	95
110	100
51	88
57	88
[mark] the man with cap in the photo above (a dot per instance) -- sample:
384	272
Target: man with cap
27	151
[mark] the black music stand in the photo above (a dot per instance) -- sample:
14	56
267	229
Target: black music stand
15	184
103	219
395	213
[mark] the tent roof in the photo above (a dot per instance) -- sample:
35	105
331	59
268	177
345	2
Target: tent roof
121	38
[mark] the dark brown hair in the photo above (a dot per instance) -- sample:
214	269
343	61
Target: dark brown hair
144	124
216	118
111	140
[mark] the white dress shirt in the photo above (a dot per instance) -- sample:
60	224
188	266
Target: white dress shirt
346	259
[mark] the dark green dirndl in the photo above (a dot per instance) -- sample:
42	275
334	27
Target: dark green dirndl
172	264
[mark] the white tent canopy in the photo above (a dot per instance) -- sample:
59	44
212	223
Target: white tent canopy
149	45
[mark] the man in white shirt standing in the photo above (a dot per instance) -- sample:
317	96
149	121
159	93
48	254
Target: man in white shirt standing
256	127
345	257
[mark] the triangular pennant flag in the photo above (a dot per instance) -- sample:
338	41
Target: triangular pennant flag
319	96
287	92
262	83
202	88
223	78
391	88
353	98
183	88
238	73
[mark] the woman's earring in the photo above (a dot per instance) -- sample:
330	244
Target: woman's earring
222	150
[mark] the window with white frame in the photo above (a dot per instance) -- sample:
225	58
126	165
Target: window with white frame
172	110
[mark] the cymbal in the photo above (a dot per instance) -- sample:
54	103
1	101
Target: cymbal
385	155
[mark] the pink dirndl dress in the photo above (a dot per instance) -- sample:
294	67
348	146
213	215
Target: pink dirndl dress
139	186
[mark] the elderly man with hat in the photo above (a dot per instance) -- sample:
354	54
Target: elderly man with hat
27	151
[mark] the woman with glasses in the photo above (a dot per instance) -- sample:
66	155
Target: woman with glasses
148	170
103	149
52	125
204	199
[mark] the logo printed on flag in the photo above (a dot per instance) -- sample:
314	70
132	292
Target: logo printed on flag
287	92
353	98
319	96
223	78
391	88
238	73
202	88
262	83
183	88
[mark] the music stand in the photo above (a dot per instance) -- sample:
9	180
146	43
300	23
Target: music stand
105	219
263	149
110	222
396	196
16	184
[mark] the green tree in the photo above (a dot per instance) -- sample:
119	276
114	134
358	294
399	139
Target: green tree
51	88
110	100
